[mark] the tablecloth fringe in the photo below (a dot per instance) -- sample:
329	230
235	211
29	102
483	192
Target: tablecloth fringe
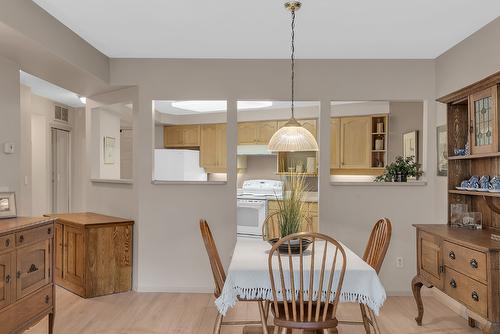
229	299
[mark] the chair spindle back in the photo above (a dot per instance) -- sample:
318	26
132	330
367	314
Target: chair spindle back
378	244
213	256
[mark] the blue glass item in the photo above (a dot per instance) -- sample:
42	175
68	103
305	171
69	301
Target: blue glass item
463	185
474	183
494	187
459	151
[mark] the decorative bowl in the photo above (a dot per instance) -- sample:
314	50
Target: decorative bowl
294	245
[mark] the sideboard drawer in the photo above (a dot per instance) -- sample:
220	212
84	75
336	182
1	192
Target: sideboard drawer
465	260
6	242
34	235
21	313
468	291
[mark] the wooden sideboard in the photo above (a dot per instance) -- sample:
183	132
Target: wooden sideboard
464	264
26	273
93	253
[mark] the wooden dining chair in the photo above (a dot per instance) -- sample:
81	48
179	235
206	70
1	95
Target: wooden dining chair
271	226
304	309
219	279
374	255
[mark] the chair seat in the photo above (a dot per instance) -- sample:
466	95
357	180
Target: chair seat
281	320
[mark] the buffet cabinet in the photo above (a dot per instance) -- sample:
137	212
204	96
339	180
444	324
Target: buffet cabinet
93	253
26	273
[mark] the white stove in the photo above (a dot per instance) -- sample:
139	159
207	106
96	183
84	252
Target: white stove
252	205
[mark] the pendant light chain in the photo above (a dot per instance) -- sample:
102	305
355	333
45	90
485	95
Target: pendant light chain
293	63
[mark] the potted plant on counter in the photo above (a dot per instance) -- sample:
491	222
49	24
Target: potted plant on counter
400	170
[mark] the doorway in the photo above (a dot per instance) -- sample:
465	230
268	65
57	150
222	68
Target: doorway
60	170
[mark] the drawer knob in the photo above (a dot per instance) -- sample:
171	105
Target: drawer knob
451	254
7	279
453	284
21	238
474	264
47	299
32	268
475	296
7	242
18	274
49	230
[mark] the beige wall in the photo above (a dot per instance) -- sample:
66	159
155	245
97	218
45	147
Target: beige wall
405	117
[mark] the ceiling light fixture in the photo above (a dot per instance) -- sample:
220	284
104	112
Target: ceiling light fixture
292	137
215	105
83	99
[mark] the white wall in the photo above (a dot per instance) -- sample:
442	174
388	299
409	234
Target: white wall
105	124
174	210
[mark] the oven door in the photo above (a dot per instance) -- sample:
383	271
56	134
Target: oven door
250	217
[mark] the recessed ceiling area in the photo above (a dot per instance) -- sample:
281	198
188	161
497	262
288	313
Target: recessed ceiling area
326	29
50	91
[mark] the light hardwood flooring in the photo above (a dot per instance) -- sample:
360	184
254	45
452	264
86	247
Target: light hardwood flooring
162	313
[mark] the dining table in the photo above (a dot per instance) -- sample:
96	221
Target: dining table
248	277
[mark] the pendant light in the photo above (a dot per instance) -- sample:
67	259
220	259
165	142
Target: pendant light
292	137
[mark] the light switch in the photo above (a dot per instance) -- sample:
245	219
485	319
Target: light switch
9	148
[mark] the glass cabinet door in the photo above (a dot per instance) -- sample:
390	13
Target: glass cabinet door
483	114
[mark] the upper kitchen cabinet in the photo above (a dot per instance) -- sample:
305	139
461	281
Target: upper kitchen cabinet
181	136
355	143
483	113
335	143
213	148
256	133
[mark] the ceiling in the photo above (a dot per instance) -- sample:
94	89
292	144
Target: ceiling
326	29
50	91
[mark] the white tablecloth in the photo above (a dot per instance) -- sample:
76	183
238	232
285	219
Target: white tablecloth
248	276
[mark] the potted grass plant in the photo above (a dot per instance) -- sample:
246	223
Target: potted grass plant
291	210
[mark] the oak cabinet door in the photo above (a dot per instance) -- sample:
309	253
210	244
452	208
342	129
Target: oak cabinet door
172	136
58	245
73	255
181	136
221	145
335	143
6	279
247	133
265	130
33	267
191	135
484	121
355	142
310	125
213	148
430	259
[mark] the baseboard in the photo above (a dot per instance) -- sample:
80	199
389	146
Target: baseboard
406	293
174	289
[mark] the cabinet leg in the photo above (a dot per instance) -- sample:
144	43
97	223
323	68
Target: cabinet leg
471	322
416	285
51	322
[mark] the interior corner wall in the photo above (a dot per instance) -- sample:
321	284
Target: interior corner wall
10	131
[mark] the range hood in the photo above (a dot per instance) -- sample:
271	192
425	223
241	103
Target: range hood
253	150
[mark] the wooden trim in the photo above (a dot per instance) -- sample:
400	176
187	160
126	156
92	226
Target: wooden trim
463	93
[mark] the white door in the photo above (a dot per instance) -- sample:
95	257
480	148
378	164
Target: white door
60	171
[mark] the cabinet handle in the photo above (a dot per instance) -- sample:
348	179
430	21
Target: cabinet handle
453	284
7	279
475	296
474	264
441	269
49	230
7	242
21	238
18	274
32	268
47	299
451	255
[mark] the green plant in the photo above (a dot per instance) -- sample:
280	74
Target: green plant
291	207
402	166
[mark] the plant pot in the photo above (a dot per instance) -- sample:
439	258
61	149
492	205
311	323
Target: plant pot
400	177
294	245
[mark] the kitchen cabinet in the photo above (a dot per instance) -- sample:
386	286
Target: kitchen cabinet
213	148
484	121
355	146
181	136
256	133
93	253
26	273
335	143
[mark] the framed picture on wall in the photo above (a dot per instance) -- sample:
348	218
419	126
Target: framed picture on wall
410	145
442	150
109	150
8	205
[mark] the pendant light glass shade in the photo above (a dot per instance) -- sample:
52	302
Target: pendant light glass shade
292	137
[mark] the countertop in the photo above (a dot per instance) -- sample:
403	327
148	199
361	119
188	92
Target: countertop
10	225
89	218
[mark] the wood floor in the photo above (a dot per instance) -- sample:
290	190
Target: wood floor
162	313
